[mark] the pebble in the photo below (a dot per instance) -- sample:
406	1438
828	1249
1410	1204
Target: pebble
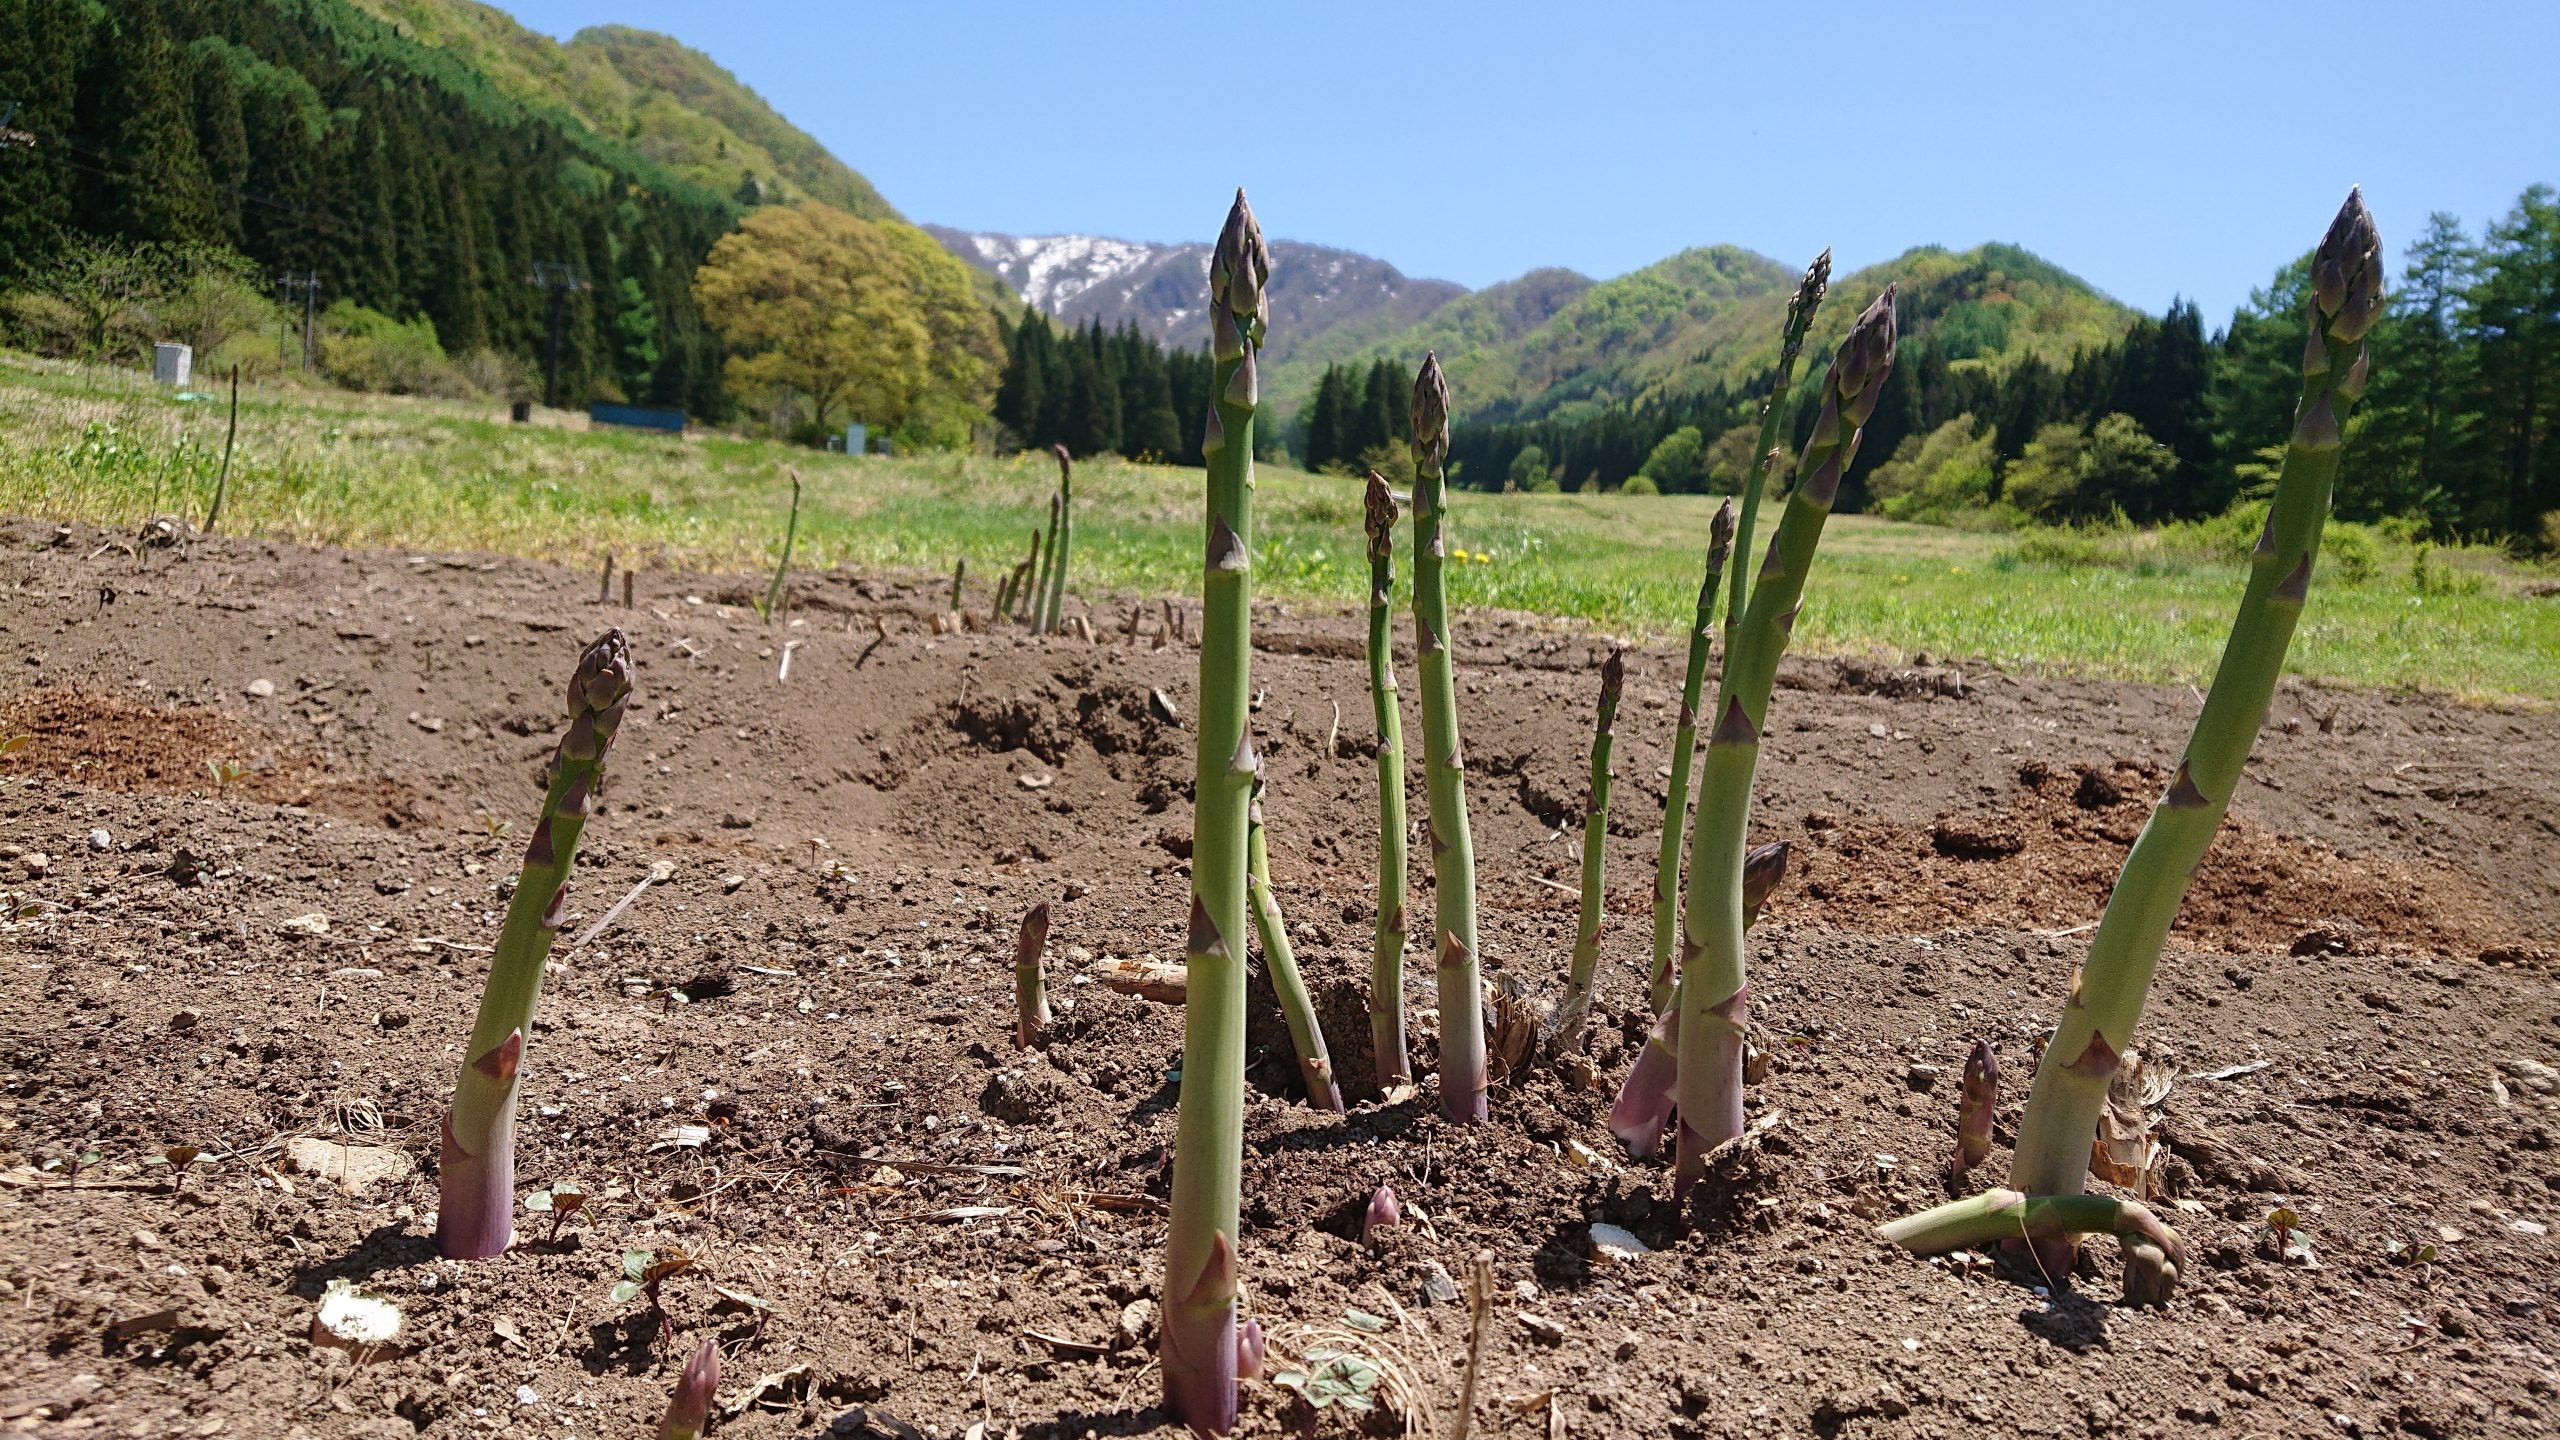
1437	1287
527	1395
100	840
260	688
36	863
1922	1078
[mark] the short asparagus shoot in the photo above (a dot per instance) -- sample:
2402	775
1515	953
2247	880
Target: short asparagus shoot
1684	746
1595	860
1386	960
1202	1347
1030	988
477	1169
2051	1162
1714	995
690	1410
1315	1063
775	593
1463	1078
1977	1105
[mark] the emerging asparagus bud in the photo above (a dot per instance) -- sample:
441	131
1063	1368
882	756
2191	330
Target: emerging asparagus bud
1249	1351
1763	870
1382	1213
1977	1104
476	1174
1030	989
690	1410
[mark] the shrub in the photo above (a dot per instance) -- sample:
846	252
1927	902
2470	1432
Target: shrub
1639	485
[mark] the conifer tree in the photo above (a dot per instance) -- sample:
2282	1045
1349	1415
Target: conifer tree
158	190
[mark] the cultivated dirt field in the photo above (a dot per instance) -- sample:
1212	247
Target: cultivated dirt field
955	1237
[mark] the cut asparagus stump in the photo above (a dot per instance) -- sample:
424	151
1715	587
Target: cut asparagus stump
1030	988
1315	1064
1713	994
476	1170
1595	852
1386	961
1202	1347
1453	865
1684	744
1061	544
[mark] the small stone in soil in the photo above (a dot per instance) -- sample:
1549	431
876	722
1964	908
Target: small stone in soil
101	841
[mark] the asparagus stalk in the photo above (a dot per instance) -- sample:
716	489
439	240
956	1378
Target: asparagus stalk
690	1410
1644	1102
1684	744
477	1170
1386	960
1714	997
1977	1105
1595	859
1773	413
2154	1256
1315	1065
1453	860
1030	988
2107	994
773	595
1053	609
959	574
1036	604
1202	1348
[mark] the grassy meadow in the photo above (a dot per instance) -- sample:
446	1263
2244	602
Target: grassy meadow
331	468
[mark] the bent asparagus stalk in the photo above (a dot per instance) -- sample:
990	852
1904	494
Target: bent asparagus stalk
1030	988
1595	858
1684	744
2154	1255
1061	537
1315	1065
1386	959
1714	996
1453	861
1644	1102
476	1171
1202	1349
2107	994
690	1410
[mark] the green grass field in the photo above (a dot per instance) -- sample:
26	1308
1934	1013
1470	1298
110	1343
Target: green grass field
325	467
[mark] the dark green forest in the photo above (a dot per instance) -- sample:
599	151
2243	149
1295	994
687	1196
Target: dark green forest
312	138
1102	392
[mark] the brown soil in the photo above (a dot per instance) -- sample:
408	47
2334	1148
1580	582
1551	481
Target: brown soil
954	1234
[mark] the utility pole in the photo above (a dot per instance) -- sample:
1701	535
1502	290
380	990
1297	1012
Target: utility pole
558	278
307	284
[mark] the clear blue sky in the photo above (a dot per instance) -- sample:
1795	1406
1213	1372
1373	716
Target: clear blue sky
2154	149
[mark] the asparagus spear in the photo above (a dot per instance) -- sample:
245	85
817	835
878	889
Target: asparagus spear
1053	606
1386	961
690	1410
1684	744
1644	1102
1035	605
774	595
477	1169
1315	1065
1714	998
1030	988
1202	1348
1977	1105
1595	858
2107	994
1453	862
1773	413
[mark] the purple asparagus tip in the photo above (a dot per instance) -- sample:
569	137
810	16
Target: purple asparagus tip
690	1410
1383	1212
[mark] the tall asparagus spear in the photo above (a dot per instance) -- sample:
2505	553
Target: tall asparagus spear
1773	413
1053	607
1595	847
1684	744
1030	987
1201	1345
1315	1064
1453	858
1714	997
477	1170
1386	961
2106	997
1036	604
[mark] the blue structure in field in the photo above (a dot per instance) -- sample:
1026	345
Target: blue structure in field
637	417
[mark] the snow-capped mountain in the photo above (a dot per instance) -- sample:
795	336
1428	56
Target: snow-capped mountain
1165	288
